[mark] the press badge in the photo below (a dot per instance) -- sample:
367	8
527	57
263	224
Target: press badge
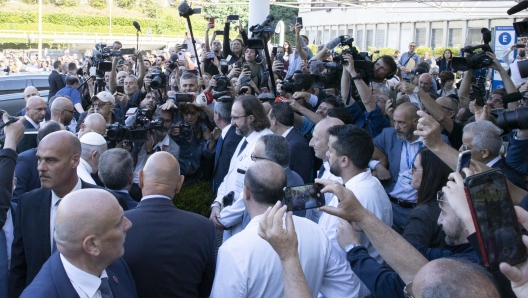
239	182
406	180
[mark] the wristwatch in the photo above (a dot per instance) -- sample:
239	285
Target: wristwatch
215	204
349	246
358	77
416	90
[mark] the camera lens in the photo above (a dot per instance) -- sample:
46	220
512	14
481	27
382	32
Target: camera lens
514	119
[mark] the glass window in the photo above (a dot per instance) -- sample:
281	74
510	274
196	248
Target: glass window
419	34
436	38
370	39
474	36
41	84
12	86
359	39
380	38
455	38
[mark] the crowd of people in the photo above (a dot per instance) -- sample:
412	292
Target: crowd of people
86	201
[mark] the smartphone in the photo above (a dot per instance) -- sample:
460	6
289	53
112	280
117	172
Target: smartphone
211	55
497	229
280	58
232	17
120	89
293	20
238	64
274	51
304	197
219	32
211	21
463	160
184	46
520	46
299	20
392	94
246	67
128	51
181	56
184	97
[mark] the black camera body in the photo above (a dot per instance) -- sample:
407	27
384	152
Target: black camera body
362	62
289	86
185	130
159	79
509	120
474	60
137	132
222	82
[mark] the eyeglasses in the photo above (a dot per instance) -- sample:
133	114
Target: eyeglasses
72	111
407	291
255	158
447	108
440	198
414	169
216	43
235	118
95	105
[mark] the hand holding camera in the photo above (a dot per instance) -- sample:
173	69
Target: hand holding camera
277	66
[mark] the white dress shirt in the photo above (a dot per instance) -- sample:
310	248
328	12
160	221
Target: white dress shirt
231	216
155	196
493	161
371	194
285	134
8	229
85	284
247	265
35	124
53	210
84	171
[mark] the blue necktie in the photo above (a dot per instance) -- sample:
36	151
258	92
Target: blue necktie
218	148
104	288
242	147
321	171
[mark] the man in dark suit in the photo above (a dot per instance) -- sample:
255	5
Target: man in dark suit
59	154
35	114
281	117
223	142
116	170
179	245
90	230
55	80
26	169
29	92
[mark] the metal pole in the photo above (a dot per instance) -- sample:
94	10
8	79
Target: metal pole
110	3
40	29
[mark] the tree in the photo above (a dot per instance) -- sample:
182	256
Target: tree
127	4
99	4
284	14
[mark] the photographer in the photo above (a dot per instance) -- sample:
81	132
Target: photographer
300	54
121	76
157	140
512	64
236	48
191	136
373	118
280	65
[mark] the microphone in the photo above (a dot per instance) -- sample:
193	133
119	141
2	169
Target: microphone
521	6
268	20
511	97
136	25
333	43
184	8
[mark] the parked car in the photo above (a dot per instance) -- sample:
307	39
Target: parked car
12	89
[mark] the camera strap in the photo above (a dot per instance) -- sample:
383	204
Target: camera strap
409	59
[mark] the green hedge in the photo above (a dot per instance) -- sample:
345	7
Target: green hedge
196	198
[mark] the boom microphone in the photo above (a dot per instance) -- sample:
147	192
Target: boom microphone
521	6
333	43
136	25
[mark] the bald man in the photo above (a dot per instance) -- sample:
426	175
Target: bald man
392	147
172	252
90	230
29	92
425	83
58	154
35	115
62	111
93	123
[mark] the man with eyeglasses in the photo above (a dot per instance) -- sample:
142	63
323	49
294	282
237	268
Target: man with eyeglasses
250	120
405	59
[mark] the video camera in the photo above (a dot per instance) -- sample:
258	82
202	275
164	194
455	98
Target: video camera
475	60
137	132
222	82
362	62
159	79
11	119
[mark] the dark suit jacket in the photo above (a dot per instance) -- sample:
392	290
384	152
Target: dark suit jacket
170	252
52	280
228	149
23	113
26	173
29	140
131	204
8	159
56	83
31	244
512	175
301	157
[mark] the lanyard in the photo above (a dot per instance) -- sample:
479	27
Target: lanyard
410	163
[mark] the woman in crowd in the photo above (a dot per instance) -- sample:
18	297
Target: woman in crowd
44	65
447	79
191	135
429	175
287	50
444	63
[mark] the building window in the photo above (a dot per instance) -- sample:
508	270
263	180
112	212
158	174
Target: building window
380	38
319	38
455	38
359	39
474	36
436	38
370	39
419	37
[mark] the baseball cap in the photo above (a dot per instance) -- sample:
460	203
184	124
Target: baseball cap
104	96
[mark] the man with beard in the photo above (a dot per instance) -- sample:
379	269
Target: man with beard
250	120
157	140
395	150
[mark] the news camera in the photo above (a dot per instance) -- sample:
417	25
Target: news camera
159	79
137	132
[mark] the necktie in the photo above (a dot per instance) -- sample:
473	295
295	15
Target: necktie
321	172
104	288
242	147
54	244
218	148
